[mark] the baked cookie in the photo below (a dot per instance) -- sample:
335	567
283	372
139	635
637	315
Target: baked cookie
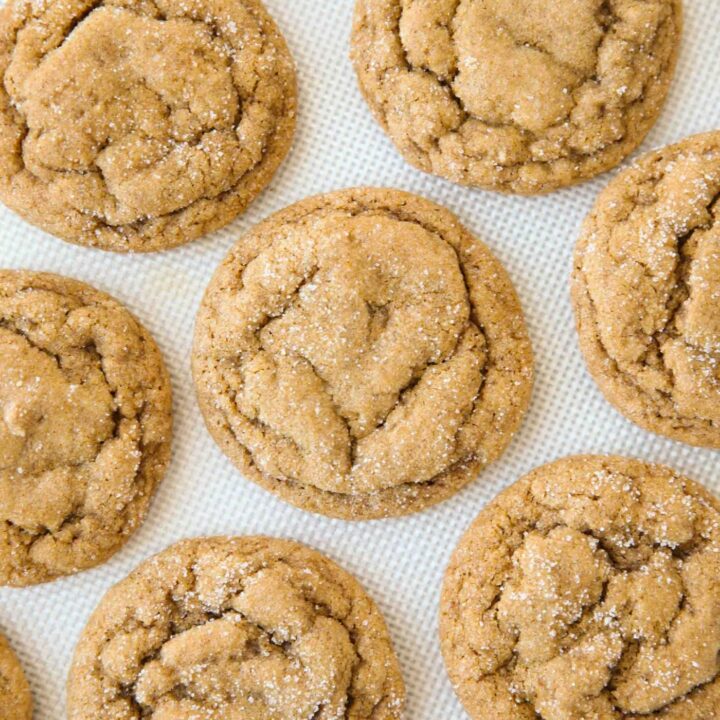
646	290
590	589
15	698
521	96
253	628
137	126
361	355
85	425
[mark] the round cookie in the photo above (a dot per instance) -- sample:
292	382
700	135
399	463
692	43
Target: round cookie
85	426
250	627
646	291
15	698
361	355
589	589
137	126
520	96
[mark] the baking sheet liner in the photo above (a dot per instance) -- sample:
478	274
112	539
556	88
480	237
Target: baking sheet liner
401	562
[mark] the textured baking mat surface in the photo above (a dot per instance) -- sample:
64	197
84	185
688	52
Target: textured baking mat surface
400	562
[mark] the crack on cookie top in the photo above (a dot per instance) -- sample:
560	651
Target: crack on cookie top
437	74
608	574
269	630
649	264
126	112
347	356
321	373
84	426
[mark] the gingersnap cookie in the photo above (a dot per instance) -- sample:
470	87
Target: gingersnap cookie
361	355
248	627
137	126
589	589
646	290
85	426
15	698
521	96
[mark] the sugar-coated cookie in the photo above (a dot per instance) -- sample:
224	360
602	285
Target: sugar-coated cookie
15	698
646	290
361	355
589	589
85	426
137	126
521	96
250	627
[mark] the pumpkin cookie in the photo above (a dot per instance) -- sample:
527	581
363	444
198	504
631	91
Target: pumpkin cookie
15	698
85	425
136	126
589	589
646	290
361	355
521	96
253	628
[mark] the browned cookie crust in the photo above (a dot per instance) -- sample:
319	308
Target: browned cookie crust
589	590
85	426
522	96
361	355
646	290
15	698
136	125
247	628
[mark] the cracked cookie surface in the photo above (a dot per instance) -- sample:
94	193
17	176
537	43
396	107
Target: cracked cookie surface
253	628
589	589
15	698
361	355
521	96
85	426
646	291
137	126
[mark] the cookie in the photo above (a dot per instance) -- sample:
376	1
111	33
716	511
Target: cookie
520	96
361	355
589	589
137	126
85	426
248	627
15	698
646	291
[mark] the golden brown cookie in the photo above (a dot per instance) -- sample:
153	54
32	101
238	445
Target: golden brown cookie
521	96
589	590
137	126
250	627
361	355
85	426
15	698
646	290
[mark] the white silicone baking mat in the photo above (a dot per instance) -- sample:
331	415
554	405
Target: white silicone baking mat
401	562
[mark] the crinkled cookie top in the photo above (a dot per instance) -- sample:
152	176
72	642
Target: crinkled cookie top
361	354
134	125
647	291
589	589
516	95
252	628
15	698
85	426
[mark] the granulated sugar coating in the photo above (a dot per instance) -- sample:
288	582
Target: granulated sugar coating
646	289
249	628
135	125
15	699
361	355
84	430
589	590
521	96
